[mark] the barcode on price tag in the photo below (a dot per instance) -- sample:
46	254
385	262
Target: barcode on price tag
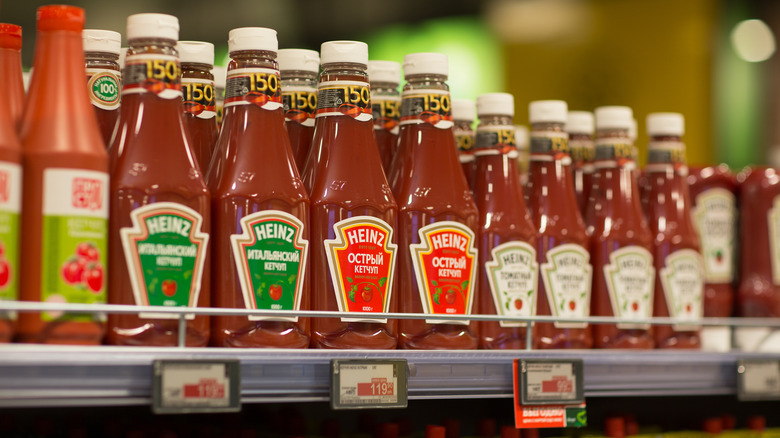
758	379
368	383
182	386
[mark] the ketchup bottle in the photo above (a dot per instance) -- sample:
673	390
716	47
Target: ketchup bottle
384	77
299	69
714	213
564	262
678	263
261	222
521	143
463	117
621	243
579	125
11	83
438	220
101	50
160	218
220	77
197	86
353	211
508	239
64	188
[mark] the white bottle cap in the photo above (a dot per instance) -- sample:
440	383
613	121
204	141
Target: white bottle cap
502	104
384	71
354	52
298	60
426	63
122	56
152	26
252	38
106	41
196	52
220	76
551	111
463	109
614	117
579	122
632	132
665	124
521	137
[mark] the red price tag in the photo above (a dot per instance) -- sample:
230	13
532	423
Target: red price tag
378	386
205	388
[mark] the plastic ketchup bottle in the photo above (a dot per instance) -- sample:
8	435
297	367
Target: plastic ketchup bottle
353	211
200	110
565	273
621	243
160	216
679	268
260	210
299	69
463	118
508	240
438	219
384	77
579	125
521	143
64	188
11	82
101	52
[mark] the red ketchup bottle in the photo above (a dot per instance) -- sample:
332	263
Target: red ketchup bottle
384	77
508	278
521	143
200	110
259	207
621	242
579	125
11	82
438	220
299	69
101	52
713	192
565	273
160	205
679	268
353	213
463	117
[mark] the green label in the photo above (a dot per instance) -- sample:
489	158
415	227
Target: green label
576	416
9	255
103	85
270	257
165	251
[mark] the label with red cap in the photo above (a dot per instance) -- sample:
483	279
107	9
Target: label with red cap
427	106
152	73
199	98
254	86
344	98
300	104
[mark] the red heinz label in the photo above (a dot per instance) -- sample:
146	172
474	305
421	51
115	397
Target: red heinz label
444	263
362	261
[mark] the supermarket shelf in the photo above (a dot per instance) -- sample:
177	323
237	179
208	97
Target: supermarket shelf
38	375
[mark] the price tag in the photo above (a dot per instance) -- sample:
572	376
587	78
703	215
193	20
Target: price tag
758	380
368	383
550	382
187	386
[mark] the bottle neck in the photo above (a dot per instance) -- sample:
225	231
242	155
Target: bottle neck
299	78
614	149
384	89
253	59
149	46
463	125
665	150
344	72
488	120
196	70
102	60
549	142
426	82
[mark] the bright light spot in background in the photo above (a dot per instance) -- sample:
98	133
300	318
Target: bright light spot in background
753	40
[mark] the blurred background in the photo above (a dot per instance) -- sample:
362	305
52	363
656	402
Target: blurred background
712	60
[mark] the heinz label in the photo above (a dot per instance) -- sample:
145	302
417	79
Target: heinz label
254	86
165	251
10	206
344	98
682	279
512	275
427	106
75	231
566	276
444	266
386	111
158	74
199	98
362	264
103	87
715	216
270	256
300	104
494	140
630	279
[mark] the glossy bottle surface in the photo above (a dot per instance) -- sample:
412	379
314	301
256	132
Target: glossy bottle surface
582	158
299	94
464	141
200	111
386	109
103	82
11	82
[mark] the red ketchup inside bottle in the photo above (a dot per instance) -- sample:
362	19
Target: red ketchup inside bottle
101	53
384	77
579	125
463	117
200	110
299	69
508	276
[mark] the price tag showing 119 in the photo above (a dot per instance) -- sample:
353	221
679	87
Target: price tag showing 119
368	383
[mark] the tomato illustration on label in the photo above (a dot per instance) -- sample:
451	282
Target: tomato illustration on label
362	262
444	266
512	275
270	256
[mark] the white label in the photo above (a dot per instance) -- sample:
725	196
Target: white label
567	278
512	275
87	190
715	216
630	279
774	239
682	279
11	187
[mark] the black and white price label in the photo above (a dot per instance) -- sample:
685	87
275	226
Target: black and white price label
183	386
368	383
758	379
551	382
